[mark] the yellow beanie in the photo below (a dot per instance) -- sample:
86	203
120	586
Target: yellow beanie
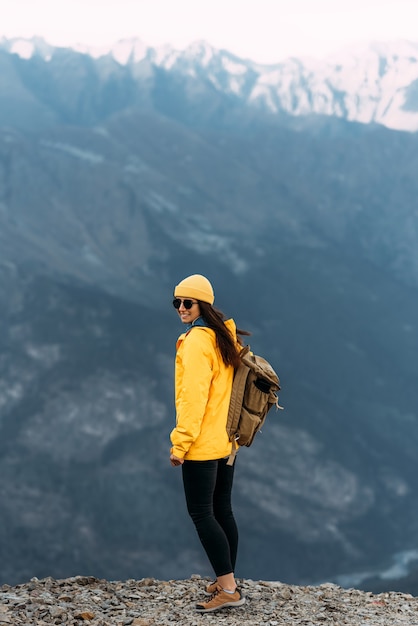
195	286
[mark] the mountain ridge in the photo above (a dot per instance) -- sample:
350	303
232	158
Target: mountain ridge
376	84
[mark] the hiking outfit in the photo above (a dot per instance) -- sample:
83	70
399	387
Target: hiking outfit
203	386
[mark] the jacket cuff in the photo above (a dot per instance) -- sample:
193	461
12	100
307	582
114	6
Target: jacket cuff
177	452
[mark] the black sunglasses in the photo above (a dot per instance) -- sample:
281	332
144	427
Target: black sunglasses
187	303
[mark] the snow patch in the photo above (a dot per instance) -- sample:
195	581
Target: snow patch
46	354
161	204
218	245
90	256
233	67
235	85
129	50
23	48
202	51
79	153
164	56
123	51
135	165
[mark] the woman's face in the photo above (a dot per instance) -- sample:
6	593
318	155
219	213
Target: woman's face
186	315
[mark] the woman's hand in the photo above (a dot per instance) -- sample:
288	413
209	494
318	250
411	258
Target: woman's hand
175	460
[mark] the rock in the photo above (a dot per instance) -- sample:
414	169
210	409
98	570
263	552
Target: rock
148	602
86	615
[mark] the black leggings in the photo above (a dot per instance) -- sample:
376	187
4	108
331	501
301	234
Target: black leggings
207	487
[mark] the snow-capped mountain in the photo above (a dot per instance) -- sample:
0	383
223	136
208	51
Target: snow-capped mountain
28	48
377	84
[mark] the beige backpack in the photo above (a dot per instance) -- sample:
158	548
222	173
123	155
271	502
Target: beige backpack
254	393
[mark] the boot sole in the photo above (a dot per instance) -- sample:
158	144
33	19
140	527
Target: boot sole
222	606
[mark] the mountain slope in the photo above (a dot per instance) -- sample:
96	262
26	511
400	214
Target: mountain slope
96	226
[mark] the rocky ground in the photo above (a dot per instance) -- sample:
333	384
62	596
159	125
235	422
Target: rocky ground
149	602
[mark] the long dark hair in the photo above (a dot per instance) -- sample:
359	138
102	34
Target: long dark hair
225	342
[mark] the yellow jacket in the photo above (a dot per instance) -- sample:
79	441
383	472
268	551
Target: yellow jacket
203	391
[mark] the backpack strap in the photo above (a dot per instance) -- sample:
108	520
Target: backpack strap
234	451
235	405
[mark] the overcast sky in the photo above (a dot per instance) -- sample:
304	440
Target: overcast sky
262	30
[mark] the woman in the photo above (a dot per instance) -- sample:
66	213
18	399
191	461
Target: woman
207	353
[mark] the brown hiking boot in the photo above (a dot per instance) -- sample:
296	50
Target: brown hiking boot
220	599
211	588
